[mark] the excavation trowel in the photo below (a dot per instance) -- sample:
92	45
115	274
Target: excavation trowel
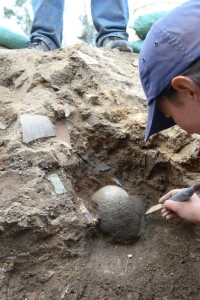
182	195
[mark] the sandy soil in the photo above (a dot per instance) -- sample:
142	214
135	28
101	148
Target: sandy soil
49	249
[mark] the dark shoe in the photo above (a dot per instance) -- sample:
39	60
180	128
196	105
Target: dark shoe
38	46
112	42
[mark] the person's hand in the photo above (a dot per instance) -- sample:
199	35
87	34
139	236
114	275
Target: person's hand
188	210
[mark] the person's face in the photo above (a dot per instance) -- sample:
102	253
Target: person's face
185	113
184	109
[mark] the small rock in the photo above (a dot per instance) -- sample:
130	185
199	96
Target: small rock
103	166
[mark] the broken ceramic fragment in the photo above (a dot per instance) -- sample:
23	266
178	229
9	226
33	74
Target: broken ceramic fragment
62	135
35	127
57	184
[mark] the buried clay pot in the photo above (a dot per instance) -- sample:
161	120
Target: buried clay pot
118	213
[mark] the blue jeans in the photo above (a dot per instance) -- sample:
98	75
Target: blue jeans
110	18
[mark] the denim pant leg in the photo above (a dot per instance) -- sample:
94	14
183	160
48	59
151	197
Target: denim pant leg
48	22
110	18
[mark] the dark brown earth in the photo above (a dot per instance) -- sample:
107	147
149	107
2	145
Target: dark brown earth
49	249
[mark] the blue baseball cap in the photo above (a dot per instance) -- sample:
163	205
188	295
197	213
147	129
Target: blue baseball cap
170	47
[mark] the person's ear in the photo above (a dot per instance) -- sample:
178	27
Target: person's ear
185	84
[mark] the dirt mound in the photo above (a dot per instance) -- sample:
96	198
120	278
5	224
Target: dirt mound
49	248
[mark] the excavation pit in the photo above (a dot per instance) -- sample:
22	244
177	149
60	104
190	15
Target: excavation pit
49	250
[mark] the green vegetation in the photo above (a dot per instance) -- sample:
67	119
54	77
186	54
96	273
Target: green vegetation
20	10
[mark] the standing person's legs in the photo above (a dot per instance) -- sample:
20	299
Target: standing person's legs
48	22
110	18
